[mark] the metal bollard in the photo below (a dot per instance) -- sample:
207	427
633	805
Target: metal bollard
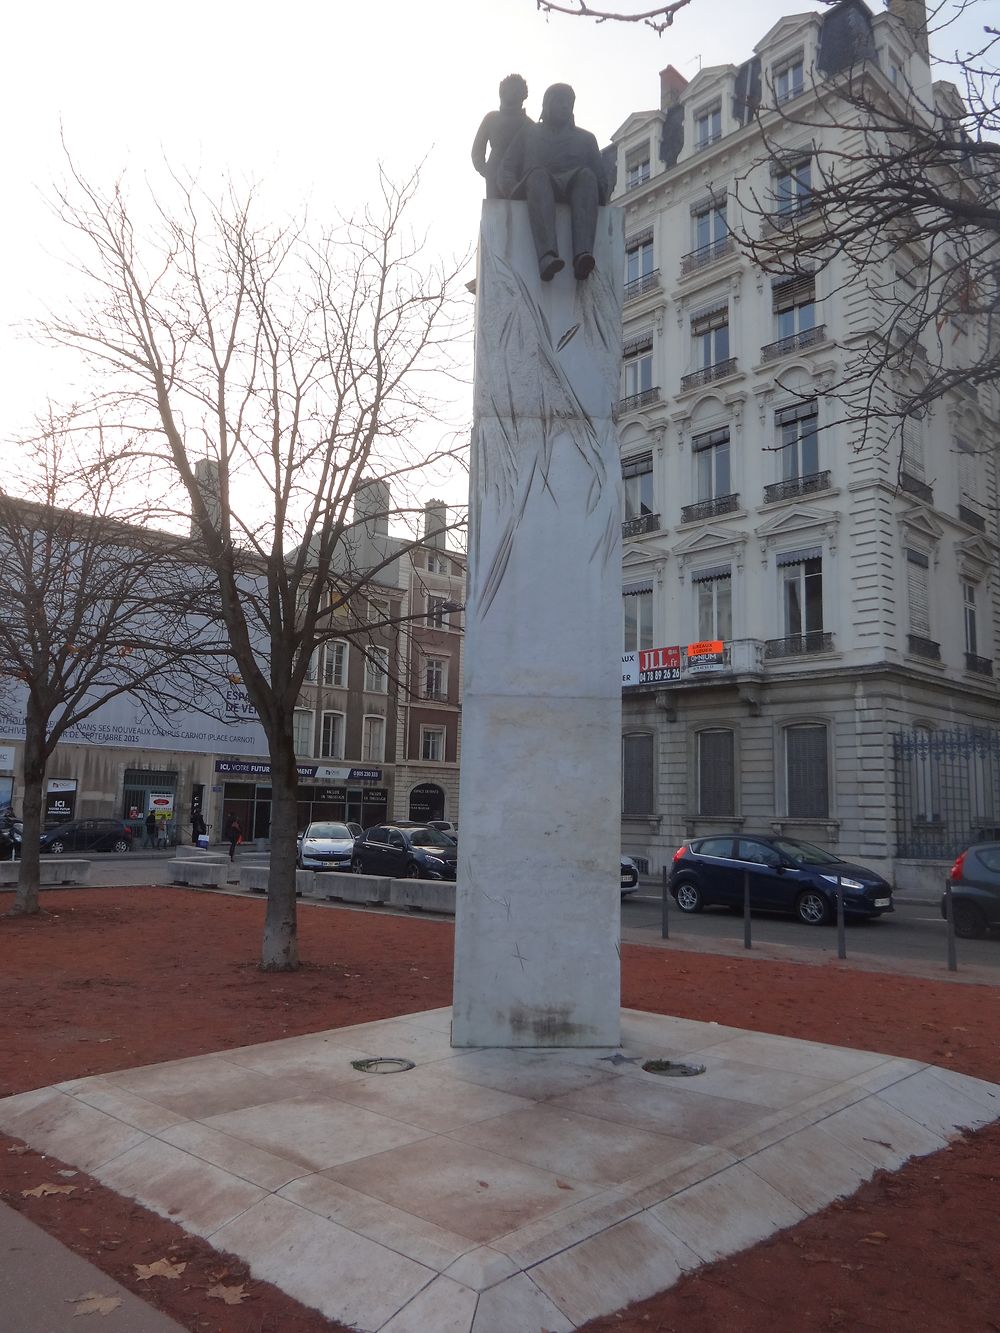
949	921
841	937
664	915
746	910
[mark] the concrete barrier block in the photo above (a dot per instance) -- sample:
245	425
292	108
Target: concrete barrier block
428	895
9	871
339	886
254	878
305	883
205	873
63	870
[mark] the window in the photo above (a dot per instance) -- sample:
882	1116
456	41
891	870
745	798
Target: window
638	261
437	612
335	663
372	738
788	80
714	598
969	603
637	167
432	744
377	670
378	610
918	593
637	774
638	476
331	745
968	487
713	477
793	187
710	225
716	773
436	564
794	303
710	336
638	617
912	447
801	591
638	367
807	785
708	126
302	730
435	678
923	776
798	454
312	667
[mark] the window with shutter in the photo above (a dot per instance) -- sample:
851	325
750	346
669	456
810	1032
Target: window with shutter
716	773
637	774
806	773
918	596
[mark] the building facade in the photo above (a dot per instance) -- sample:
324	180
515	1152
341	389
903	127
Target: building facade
796	594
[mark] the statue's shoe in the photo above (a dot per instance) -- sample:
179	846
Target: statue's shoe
583	265
549	266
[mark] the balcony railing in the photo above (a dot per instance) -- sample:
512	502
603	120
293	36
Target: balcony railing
793	343
980	666
647	283
635	400
794	486
921	647
914	486
717	372
799	645
782	219
974	520
722	504
707	254
635	527
436	696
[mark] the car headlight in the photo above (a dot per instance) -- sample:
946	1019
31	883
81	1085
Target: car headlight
434	860
847	883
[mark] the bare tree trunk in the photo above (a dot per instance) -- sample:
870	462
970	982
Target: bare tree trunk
280	951
26	898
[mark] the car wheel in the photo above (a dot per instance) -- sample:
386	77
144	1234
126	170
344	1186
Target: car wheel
812	908
412	871
970	924
120	845
688	897
57	848
356	867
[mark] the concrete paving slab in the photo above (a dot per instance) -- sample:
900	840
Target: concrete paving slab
491	1190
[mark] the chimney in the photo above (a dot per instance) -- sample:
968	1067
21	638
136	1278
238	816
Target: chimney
913	15
371	503
672	84
206	476
435	523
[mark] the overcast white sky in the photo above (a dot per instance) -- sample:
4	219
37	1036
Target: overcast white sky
307	96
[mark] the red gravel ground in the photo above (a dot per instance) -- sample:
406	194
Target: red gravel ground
109	978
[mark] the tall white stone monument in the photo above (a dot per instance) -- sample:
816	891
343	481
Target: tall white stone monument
538	917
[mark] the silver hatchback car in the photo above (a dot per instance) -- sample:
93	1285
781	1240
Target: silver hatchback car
325	846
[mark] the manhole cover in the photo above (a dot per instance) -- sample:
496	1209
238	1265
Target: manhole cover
382	1064
672	1068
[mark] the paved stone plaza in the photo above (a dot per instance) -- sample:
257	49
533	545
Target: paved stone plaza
494	1190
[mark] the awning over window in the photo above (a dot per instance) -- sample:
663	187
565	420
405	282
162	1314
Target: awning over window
800	557
713	572
636	589
642	343
640	238
797	412
710	438
637	466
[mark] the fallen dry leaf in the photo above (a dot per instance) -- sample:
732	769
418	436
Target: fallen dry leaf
874	1238
561	1185
40	1191
160	1268
92	1302
231	1295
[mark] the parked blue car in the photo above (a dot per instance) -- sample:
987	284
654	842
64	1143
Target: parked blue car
786	875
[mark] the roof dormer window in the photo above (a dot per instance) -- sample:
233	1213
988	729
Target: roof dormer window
708	126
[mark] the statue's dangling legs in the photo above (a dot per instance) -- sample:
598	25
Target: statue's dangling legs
579	189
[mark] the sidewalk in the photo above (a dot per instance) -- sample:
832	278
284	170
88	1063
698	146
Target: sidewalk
41	1282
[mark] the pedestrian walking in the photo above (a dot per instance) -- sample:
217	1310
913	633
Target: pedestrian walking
150	839
235	837
198	827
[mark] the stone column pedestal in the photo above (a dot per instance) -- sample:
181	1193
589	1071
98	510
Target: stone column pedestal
538	905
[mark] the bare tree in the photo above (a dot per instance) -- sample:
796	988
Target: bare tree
659	17
889	184
272	372
95	605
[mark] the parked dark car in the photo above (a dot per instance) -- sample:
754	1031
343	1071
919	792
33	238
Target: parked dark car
786	875
630	875
405	853
975	891
88	835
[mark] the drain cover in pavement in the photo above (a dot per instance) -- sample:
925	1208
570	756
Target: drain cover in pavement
382	1064
672	1068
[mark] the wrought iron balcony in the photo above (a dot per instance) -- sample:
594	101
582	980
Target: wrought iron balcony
921	647
794	486
799	645
974	520
707	254
635	400
980	666
914	486
436	696
717	372
793	343
647	283
722	504
635	527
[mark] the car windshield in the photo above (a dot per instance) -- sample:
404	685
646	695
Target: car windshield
805	853
340	831
429	837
